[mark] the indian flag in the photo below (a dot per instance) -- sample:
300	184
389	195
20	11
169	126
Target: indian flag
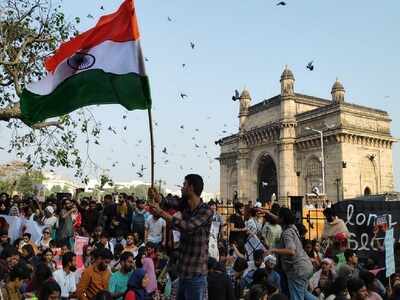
103	65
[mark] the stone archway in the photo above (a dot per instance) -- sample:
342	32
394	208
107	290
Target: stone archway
267	180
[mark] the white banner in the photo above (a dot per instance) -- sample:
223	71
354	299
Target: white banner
19	225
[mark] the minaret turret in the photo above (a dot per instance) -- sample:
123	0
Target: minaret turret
338	92
245	101
287	83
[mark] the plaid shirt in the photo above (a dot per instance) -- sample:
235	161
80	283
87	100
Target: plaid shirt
195	231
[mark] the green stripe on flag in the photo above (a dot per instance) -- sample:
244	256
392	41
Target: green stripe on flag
87	88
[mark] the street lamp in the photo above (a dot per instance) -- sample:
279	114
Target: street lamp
321	134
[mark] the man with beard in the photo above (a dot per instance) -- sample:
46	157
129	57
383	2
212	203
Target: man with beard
194	226
65	277
95	278
119	280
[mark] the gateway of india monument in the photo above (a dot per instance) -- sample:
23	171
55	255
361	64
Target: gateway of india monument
277	153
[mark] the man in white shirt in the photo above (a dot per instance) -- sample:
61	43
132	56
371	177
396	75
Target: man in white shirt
65	277
155	230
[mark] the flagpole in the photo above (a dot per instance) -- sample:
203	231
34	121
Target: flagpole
148	109
151	146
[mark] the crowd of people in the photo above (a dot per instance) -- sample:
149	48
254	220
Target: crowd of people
178	248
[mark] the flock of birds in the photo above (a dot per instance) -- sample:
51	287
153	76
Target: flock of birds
166	154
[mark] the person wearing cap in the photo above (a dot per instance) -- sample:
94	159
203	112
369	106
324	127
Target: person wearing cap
273	277
322	280
50	220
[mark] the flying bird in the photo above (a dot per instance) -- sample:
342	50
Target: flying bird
125	127
183	96
111	129
124	117
310	66
166	161
165	150
183	65
142	168
182	127
102	7
282	3
139	174
236	96
169	19
146	59
192	45
133	165
197	146
89	16
196	130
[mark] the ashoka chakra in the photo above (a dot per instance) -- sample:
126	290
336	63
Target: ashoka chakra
81	61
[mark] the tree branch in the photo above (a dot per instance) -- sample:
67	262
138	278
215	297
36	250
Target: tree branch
48	124
13	111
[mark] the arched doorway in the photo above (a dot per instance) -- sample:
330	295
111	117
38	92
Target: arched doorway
367	191
267	180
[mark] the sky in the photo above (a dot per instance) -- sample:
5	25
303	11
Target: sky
240	44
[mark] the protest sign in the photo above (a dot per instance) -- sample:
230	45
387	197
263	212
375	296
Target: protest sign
367	221
253	244
389	253
80	243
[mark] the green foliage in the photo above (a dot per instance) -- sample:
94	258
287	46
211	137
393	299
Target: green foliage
7	186
27	181
55	189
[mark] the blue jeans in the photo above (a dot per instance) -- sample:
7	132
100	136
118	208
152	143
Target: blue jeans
298	289
192	288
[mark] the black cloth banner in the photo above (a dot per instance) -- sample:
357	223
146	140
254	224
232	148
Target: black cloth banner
361	217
